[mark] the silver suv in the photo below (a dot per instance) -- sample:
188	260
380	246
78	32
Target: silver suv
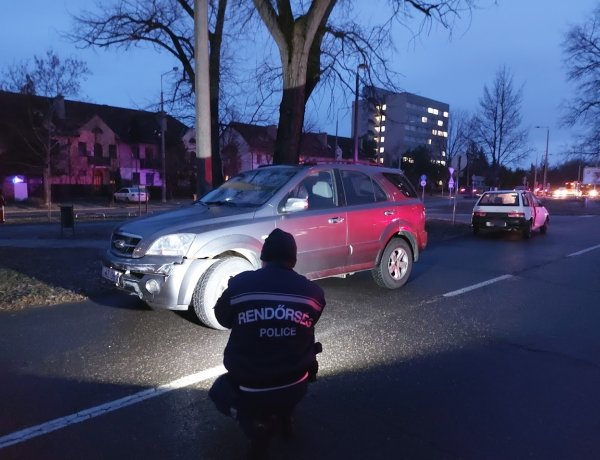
345	218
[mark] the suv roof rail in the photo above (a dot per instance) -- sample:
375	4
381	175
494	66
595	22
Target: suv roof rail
344	162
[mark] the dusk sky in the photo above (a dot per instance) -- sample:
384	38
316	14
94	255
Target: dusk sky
525	36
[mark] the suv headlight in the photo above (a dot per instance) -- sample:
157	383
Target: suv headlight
176	244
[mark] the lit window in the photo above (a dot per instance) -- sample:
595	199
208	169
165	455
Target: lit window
444	162
377	128
440	123
434	132
445	134
381	139
443	153
382	117
446	114
424	119
381	149
381	160
384	107
429	141
383	129
432	110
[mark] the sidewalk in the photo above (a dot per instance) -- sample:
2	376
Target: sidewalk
94	235
29	226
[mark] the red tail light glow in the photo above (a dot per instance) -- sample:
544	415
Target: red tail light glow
516	214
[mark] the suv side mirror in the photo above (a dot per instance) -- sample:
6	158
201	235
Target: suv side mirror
295	205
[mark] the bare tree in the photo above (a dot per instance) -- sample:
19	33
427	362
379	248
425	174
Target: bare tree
497	126
166	25
52	77
310	46
312	49
47	75
299	42
581	48
460	132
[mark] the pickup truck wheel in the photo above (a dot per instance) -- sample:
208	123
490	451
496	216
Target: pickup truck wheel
212	284
395	266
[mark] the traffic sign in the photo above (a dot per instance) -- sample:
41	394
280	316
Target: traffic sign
451	183
423	183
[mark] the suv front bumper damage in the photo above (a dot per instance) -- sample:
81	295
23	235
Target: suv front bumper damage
165	284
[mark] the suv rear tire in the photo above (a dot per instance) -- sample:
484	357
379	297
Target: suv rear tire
211	286
395	265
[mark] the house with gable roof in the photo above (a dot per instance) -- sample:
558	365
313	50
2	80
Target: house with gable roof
248	146
93	149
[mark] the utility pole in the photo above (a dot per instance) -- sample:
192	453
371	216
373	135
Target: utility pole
360	66
547	128
203	138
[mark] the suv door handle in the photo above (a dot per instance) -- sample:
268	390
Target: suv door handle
389	212
336	220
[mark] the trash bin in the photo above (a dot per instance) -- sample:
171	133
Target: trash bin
67	218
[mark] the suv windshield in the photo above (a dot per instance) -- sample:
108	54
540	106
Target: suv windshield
250	188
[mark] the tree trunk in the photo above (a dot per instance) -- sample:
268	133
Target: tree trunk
298	40
289	131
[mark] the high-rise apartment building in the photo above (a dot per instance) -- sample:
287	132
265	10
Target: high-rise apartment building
391	124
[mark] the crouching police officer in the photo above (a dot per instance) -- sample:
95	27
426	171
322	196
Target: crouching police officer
271	352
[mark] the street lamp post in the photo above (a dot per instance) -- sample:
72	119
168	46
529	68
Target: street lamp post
535	173
163	128
360	66
546	157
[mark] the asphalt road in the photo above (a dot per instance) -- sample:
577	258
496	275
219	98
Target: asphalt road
490	351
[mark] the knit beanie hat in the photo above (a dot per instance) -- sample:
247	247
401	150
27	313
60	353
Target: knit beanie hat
279	246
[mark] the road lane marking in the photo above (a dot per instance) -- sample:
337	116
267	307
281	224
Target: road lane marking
87	414
476	286
583	251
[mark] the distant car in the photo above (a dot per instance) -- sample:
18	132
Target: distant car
510	210
468	191
131	194
563	192
345	218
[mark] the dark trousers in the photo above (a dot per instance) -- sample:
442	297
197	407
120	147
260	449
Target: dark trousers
250	407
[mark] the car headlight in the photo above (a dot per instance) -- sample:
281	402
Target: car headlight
176	244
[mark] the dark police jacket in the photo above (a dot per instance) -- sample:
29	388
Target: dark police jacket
271	313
